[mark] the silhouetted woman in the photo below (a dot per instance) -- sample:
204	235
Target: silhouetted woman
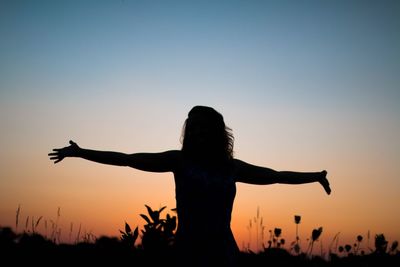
205	174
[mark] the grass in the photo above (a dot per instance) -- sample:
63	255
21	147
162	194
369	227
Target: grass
157	248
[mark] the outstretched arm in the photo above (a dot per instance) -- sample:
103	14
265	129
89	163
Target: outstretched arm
251	174
152	162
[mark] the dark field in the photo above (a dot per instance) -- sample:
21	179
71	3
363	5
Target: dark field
35	250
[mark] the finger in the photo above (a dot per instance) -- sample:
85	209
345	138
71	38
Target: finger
57	149
72	142
54	158
52	154
328	190
57	161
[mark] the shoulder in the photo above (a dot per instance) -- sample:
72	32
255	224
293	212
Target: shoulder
238	164
243	170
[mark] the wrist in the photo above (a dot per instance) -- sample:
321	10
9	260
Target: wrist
321	176
77	152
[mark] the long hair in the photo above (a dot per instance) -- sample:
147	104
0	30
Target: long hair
205	137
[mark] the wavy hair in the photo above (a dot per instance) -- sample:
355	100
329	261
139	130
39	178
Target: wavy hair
205	137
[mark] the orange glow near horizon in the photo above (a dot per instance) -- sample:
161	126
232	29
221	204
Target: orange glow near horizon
101	198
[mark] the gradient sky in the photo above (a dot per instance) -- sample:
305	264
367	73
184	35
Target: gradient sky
305	86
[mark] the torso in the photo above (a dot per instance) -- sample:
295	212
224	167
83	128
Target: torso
204	198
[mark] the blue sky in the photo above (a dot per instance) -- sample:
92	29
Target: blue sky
325	49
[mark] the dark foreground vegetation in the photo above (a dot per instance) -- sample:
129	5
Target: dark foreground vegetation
156	249
35	250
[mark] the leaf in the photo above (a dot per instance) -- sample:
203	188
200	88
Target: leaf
127	228
155	216
160	210
145	218
149	210
135	234
38	221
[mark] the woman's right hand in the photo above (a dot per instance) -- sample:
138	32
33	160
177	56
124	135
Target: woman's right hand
60	153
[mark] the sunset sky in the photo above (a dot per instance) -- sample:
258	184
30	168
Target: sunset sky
305	86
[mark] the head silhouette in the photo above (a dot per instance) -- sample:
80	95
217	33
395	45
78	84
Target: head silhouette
205	136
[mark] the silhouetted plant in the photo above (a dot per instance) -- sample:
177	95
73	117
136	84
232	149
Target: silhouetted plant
295	246
45	228
316	233
71	227
249	227
17	217
78	234
357	244
87	237
158	233
275	240
368	239
335	241
55	230
393	247
128	237
26	224
258	224
347	247
277	234
297	219
35	225
380	244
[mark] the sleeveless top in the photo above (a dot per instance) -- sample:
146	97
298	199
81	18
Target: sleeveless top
204	199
